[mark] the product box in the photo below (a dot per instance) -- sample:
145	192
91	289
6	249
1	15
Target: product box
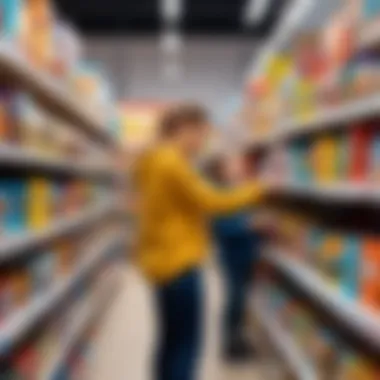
350	264
325	153
21	284
360	138
10	18
40	203
329	257
371	8
300	162
370	273
12	206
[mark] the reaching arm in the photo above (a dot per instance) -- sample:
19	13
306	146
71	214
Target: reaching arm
204	195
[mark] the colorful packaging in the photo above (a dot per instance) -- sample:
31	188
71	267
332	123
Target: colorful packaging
325	153
370	273
350	266
360	138
12	206
40	203
21	284
330	253
10	18
371	8
38	36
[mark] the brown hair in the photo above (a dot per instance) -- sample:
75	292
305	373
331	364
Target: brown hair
182	115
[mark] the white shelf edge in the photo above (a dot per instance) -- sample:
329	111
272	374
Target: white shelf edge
341	192
19	324
16	246
285	345
82	323
51	94
362	321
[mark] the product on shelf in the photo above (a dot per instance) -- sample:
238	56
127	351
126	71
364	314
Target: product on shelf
13	206
370	272
40	203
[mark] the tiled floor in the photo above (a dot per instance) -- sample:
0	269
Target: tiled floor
128	333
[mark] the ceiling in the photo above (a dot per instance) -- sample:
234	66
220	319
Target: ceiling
143	16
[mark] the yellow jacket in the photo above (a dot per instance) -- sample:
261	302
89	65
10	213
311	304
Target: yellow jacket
175	205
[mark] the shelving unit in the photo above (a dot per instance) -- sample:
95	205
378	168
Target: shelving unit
325	121
17	158
17	326
85	319
338	193
17	246
359	320
52	96
87	186
284	344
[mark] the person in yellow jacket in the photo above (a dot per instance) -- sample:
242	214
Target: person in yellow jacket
175	207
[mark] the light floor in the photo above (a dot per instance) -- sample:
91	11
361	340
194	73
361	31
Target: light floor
125	341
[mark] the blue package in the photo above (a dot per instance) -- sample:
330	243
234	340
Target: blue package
371	8
350	266
13	206
299	162
10	17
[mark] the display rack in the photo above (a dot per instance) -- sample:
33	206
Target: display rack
15	247
52	95
87	317
284	344
13	157
97	174
19	325
359	320
325	121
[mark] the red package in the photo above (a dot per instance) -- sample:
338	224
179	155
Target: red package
359	145
27	363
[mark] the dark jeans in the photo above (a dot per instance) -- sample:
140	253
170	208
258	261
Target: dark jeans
238	269
180	306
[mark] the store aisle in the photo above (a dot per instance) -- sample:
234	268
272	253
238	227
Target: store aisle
126	339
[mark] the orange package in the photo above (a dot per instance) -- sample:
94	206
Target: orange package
370	273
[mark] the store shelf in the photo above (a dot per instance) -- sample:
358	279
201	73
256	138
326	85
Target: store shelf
21	323
50	94
344	192
359	320
15	247
326	120
285	345
85	320
19	158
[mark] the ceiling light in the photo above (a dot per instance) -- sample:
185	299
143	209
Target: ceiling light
255	11
172	10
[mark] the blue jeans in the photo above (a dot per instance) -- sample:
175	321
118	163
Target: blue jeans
180	305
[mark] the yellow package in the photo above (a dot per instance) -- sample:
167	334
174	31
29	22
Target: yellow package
324	159
39	203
